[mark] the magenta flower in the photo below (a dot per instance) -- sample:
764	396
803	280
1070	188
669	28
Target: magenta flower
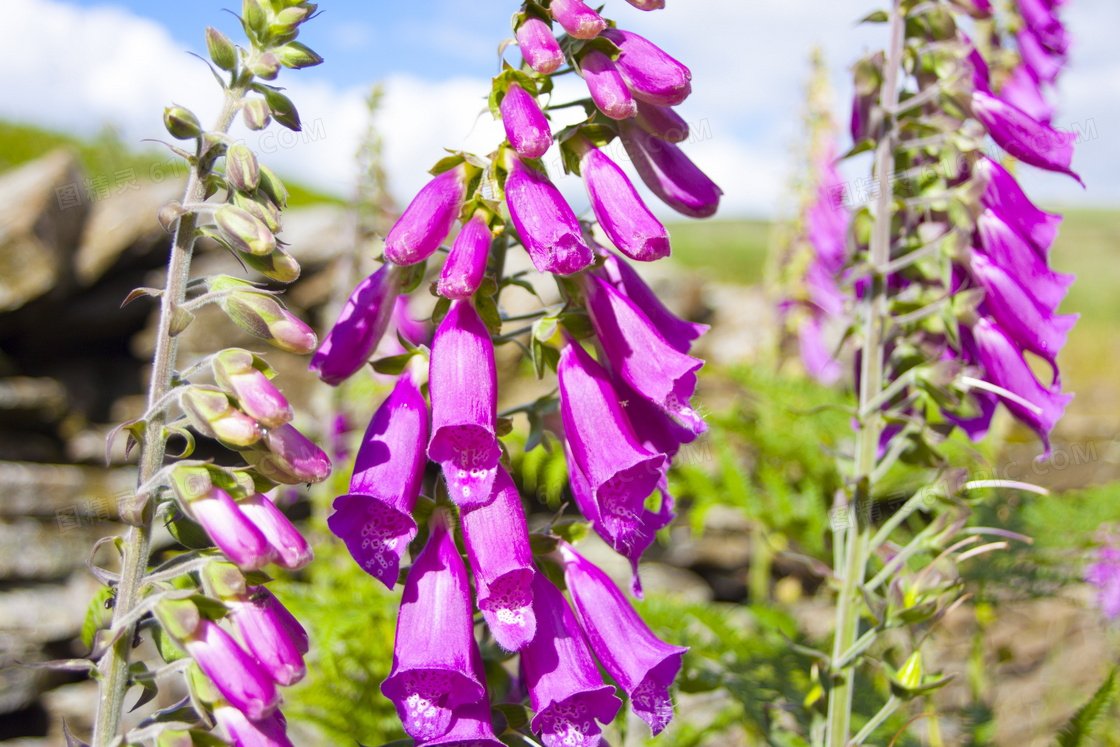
266	635
359	328
471	726
1005	367
497	540
256	395
428	219
662	122
628	538
375	518
565	689
525	124
1006	198
545	223
605	84
1009	250
292	550
647	4
1033	328
1022	92
815	353
240	680
669	173
651	74
1030	141
1041	21
290	457
676	331
640	662
1105	575
620	472
463	384
640	356
538	46
239	731
1043	64
620	211
231	530
465	267
435	659
579	20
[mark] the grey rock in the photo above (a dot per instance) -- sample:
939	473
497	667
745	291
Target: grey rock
39	227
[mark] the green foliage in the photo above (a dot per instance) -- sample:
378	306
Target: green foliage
1080	728
734	251
773	455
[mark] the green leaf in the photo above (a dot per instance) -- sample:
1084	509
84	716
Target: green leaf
517	716
878	16
168	650
98	615
488	310
1080	727
392	365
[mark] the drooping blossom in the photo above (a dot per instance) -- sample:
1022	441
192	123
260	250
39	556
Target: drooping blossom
545	223
640	355
1028	140
239	731
651	75
359	328
622	215
676	331
669	173
538	46
640	662
229	528
428	219
435	667
465	267
577	18
240	679
662	122
292	550
1003	195
256	395
463	385
525	124
605	84
375	518
268	635
567	693
497	540
287	456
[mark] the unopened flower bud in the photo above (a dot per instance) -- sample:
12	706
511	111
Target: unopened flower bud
254	14
211	413
265	67
579	20
289	18
647	4
359	328
538	46
278	265
651	74
222	50
282	108
273	188
525	124
608	89
240	679
243	231
466	262
289	457
296	55
224	580
428	219
179	617
256	395
181	123
255	114
241	168
262	316
260	208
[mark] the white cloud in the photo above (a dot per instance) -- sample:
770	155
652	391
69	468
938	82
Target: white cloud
75	68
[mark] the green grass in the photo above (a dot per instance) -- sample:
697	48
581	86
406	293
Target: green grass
731	251
108	158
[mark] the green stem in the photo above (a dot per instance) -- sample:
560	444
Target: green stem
858	533
113	664
877	720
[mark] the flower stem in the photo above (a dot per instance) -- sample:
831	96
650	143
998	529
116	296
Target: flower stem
113	664
858	533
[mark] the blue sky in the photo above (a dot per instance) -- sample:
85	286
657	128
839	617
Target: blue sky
75	65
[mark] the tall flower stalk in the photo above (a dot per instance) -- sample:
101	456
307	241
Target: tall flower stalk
435	467
953	288
231	528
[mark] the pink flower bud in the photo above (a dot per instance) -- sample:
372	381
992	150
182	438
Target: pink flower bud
428	219
662	122
239	679
289	457
465	267
256	395
608	89
292	550
651	74
359	328
545	222
525	123
538	46
579	20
